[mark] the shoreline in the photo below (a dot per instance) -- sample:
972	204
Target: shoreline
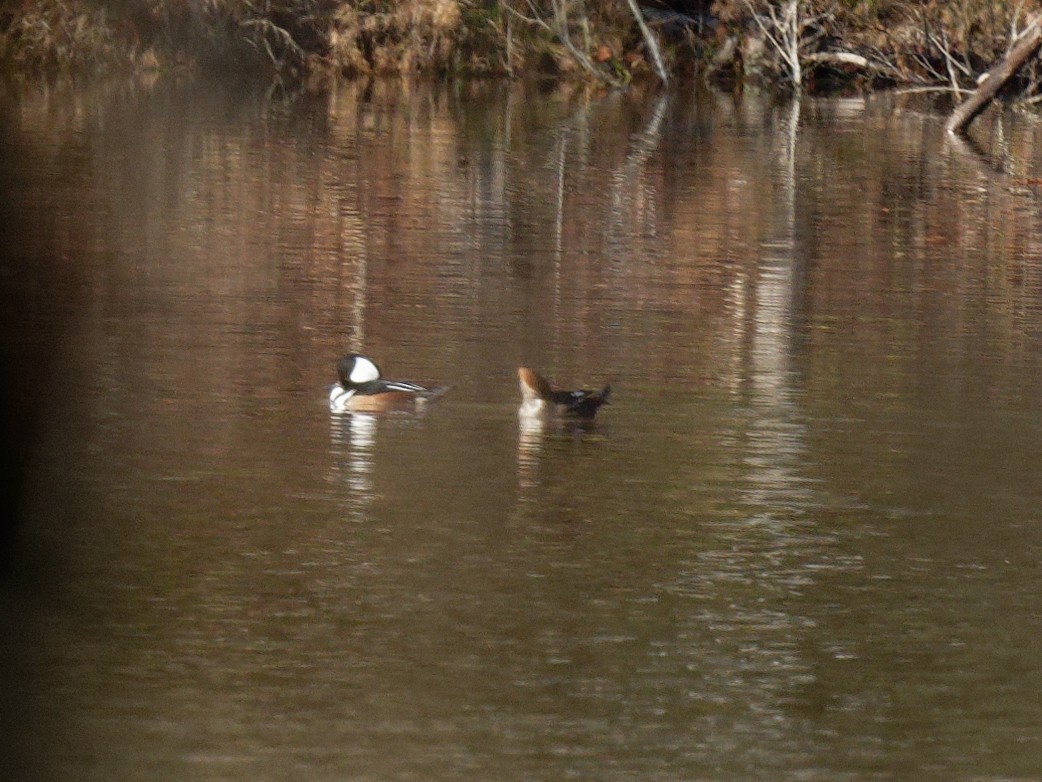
807	45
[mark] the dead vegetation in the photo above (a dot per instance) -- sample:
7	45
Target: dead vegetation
52	35
929	45
808	44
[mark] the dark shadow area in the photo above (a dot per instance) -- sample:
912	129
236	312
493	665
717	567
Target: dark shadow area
39	292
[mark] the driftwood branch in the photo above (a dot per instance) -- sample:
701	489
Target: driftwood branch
1024	49
839	58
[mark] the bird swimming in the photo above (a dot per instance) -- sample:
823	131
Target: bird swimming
362	388
539	398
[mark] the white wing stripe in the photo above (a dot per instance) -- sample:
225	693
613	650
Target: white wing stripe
402	385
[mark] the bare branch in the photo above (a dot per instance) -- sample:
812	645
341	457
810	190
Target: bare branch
784	33
649	40
266	26
559	29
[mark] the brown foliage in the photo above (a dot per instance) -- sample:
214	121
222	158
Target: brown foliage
894	41
929	42
395	37
51	35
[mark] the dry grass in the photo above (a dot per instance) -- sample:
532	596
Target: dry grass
418	36
55	35
920	42
947	42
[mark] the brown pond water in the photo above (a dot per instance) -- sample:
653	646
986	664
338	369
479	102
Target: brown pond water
803	542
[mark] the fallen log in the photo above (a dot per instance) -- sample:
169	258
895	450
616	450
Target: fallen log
996	78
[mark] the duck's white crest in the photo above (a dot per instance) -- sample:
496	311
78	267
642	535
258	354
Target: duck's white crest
364	371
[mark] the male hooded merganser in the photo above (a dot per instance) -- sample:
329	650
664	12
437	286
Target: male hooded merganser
363	389
538	398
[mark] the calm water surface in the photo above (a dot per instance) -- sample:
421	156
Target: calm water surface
803	542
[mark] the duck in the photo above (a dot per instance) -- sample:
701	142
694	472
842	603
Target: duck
362	388
539	398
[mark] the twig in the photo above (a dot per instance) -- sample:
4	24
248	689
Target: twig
267	26
559	29
787	41
945	49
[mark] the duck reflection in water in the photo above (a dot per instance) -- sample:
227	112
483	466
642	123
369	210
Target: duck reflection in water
360	394
544	409
352	441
